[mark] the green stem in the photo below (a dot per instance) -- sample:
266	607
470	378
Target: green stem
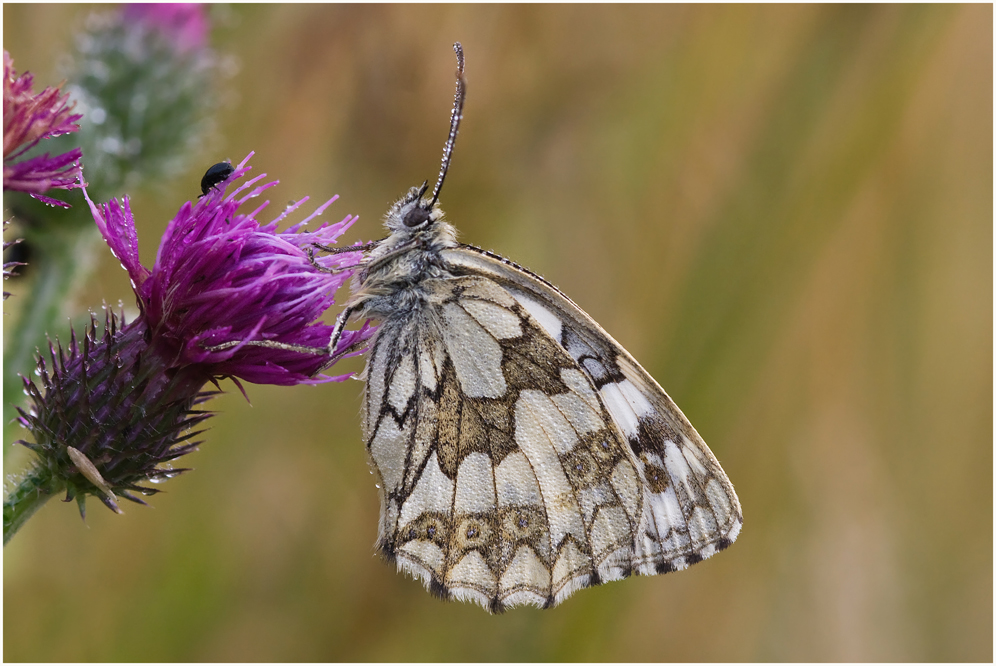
65	258
36	487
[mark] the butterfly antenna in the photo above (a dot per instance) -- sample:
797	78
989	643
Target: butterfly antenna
455	116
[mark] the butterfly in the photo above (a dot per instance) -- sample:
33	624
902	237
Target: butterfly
521	453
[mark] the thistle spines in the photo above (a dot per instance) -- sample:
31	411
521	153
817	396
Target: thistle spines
109	415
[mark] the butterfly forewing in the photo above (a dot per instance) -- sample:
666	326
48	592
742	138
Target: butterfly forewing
689	508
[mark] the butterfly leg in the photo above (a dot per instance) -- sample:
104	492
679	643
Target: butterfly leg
329	350
335	249
337	329
339	249
303	349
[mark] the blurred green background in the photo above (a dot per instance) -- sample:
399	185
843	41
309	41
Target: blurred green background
784	212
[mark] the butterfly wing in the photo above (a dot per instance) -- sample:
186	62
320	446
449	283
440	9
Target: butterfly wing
690	509
522	453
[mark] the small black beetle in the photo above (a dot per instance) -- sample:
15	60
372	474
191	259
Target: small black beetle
215	175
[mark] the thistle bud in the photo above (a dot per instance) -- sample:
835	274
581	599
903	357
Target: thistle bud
106	416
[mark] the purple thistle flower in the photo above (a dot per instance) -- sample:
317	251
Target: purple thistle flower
220	277
227	296
27	119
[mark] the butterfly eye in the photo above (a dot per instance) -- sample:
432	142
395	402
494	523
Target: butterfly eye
416	216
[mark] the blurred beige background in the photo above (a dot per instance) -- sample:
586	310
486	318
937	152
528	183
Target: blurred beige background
784	212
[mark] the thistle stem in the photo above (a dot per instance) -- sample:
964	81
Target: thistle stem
36	487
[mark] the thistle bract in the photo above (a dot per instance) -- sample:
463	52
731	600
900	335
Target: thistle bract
107	416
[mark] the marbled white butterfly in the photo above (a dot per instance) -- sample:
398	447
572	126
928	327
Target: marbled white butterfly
522	453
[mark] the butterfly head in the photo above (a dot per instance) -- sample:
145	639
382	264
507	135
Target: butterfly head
411	213
414	216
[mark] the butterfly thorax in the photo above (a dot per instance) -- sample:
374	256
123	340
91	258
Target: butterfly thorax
393	276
